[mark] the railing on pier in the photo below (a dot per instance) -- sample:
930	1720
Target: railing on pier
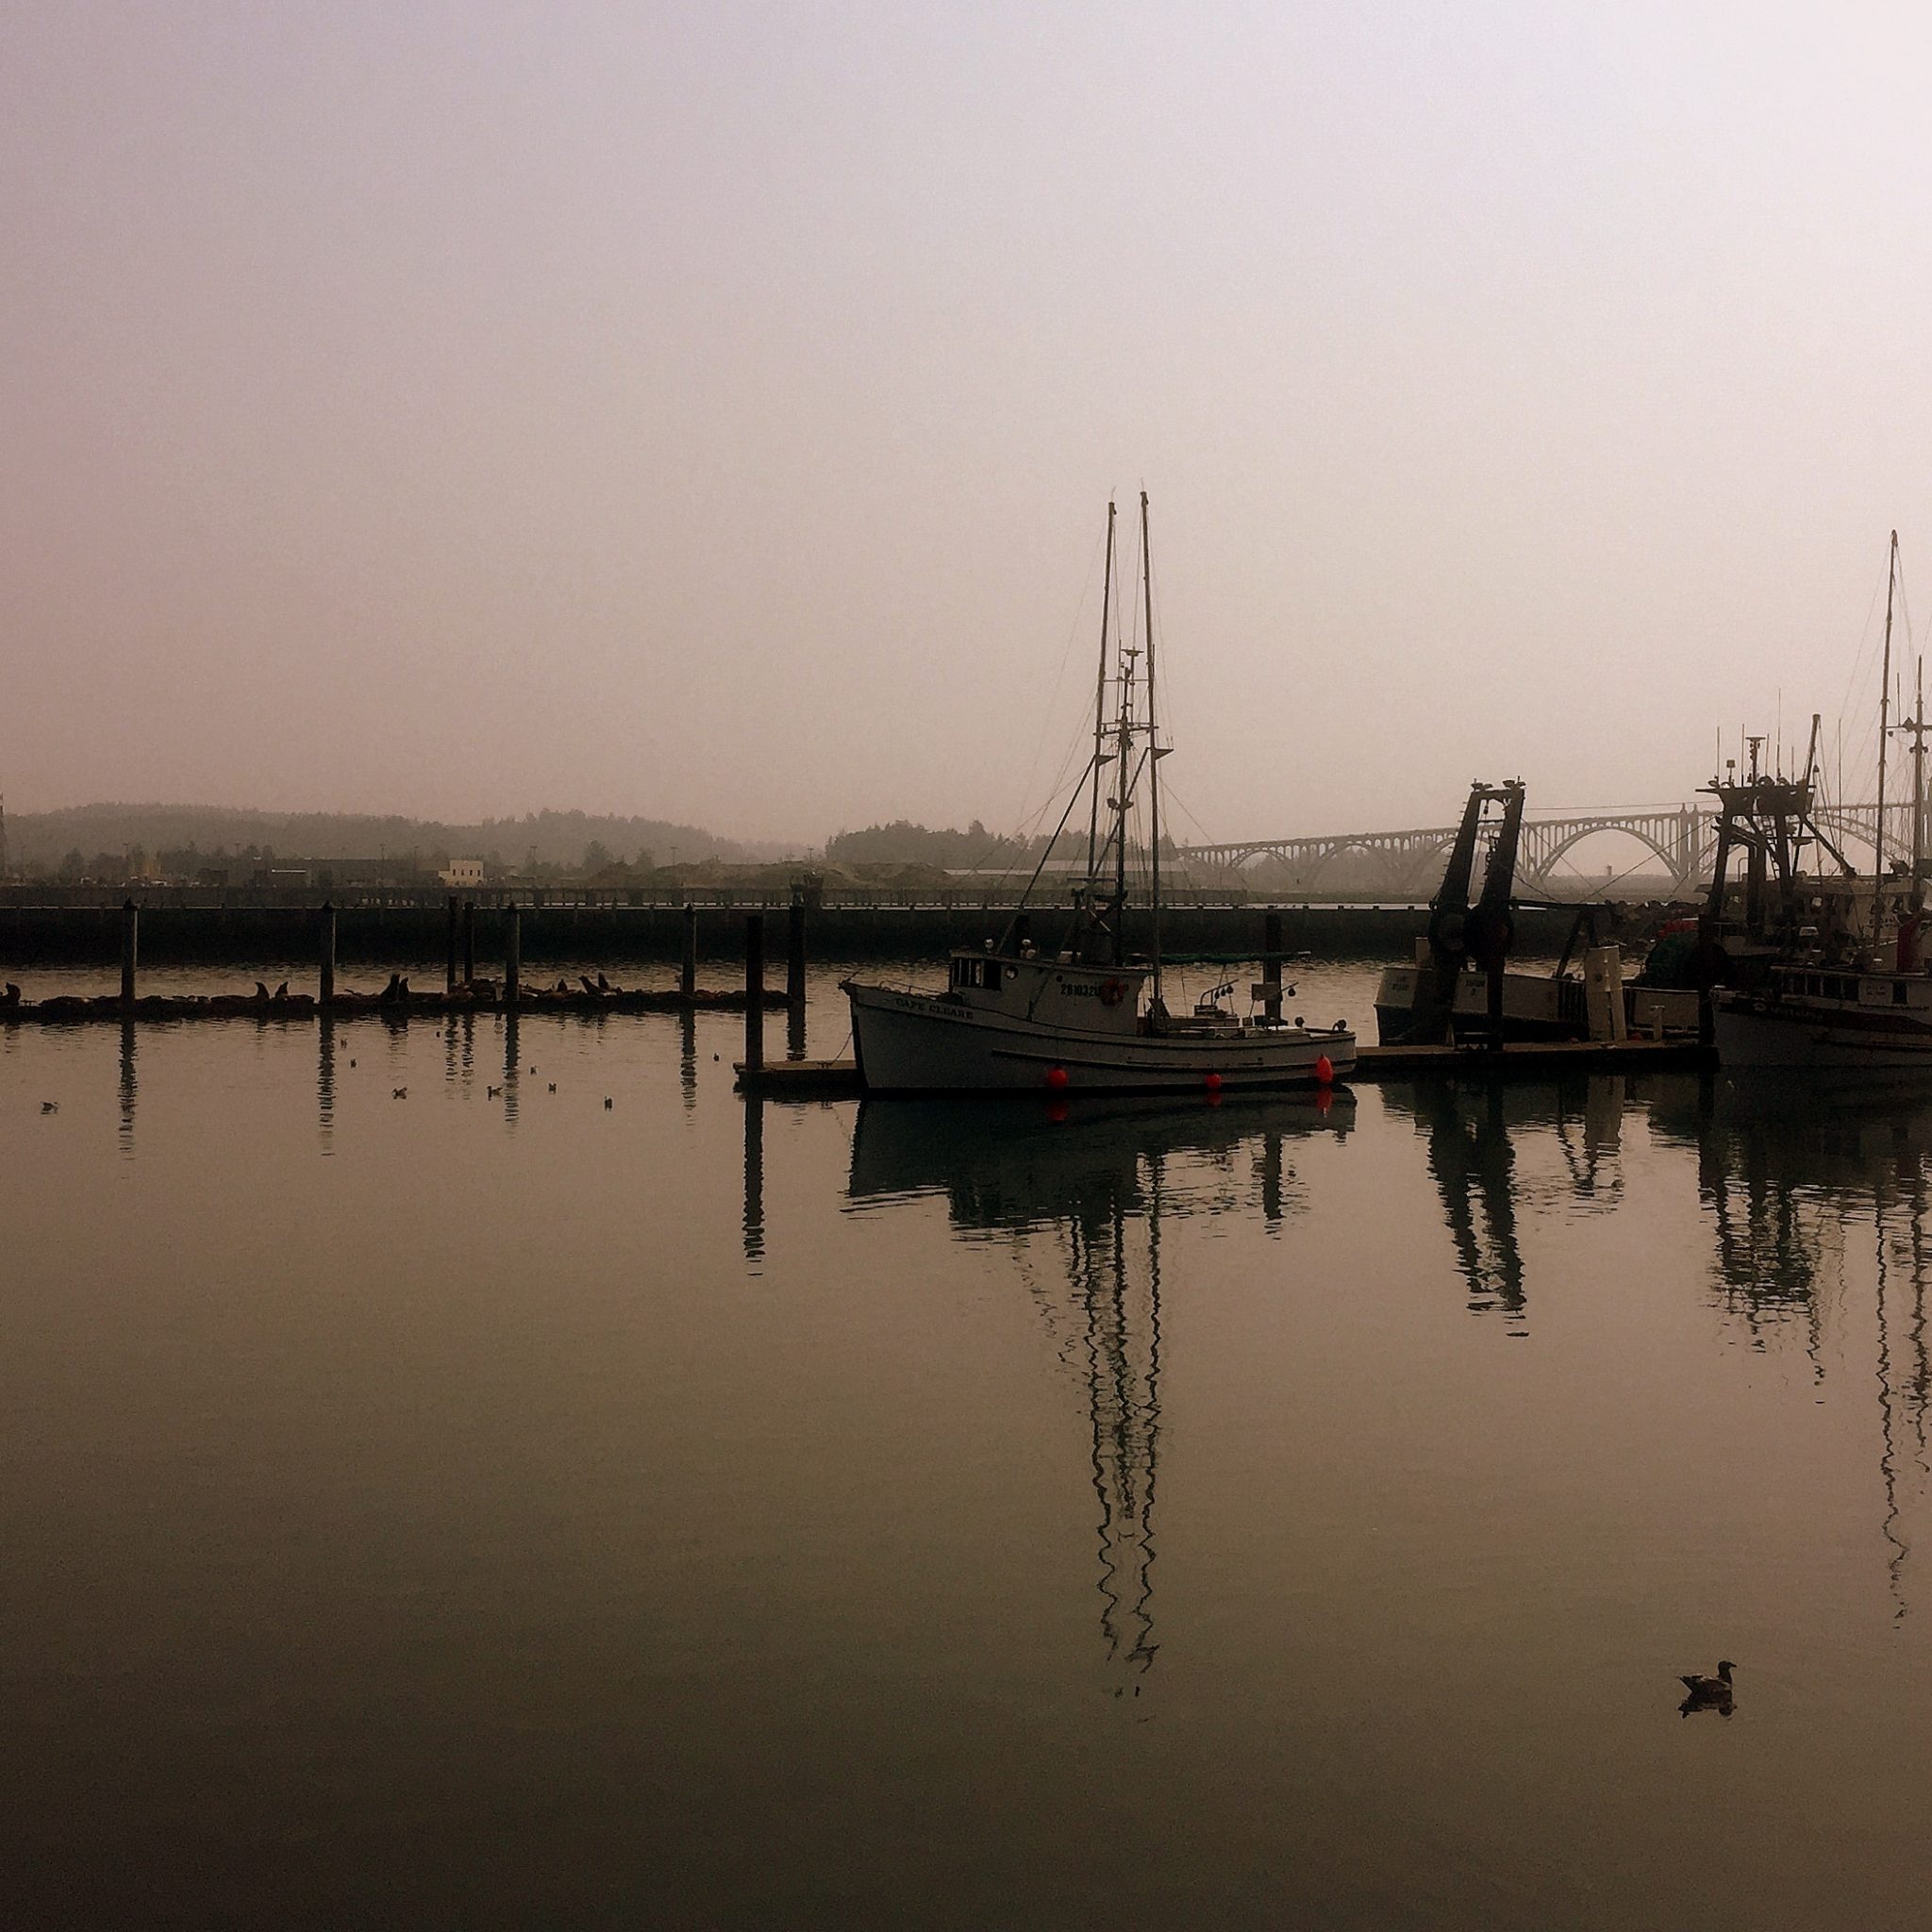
573	898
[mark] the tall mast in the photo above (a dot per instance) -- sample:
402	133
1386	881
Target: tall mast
1100	705
1884	723
1919	790
1123	779
1153	752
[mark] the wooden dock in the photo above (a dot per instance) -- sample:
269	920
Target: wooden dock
1518	1059
1529	1057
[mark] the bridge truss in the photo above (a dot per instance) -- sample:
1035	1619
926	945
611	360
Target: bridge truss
1683	837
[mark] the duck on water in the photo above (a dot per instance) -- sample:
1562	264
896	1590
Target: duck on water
1708	1693
1086	1015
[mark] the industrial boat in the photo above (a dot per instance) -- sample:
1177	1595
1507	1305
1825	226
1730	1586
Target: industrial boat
1847	988
1086	1015
1461	987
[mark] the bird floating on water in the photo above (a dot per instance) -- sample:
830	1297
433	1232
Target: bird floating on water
553	1085
1708	1693
50	1106
606	1100
492	1093
399	1093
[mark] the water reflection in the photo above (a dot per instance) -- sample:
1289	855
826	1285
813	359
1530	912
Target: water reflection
1478	1133
688	1058
130	1089
1472	1160
1122	1343
1802	1184
754	1181
325	1083
1098	1180
510	1069
1012	1166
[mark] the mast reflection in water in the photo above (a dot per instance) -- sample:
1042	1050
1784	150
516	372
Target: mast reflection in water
1803	1181
1097	1179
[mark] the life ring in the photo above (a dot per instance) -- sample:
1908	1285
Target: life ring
1111	992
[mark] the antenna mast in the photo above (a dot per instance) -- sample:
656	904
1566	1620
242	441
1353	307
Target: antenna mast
1100	705
1919	790
1915	729
1152	755
1884	724
1123	795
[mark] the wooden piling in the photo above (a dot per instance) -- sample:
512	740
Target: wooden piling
469	941
1271	965
130	948
513	952
688	971
795	955
325	978
449	971
755	990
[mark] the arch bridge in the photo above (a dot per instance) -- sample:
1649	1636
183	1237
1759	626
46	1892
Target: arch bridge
1409	864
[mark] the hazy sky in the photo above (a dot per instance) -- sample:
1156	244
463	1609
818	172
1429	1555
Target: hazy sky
710	412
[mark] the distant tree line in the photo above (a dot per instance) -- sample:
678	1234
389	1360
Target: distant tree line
112	843
902	843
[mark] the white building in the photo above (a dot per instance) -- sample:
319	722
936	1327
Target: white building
462	871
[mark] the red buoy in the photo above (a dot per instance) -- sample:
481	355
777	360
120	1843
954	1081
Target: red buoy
1056	1078
1325	1072
1214	1083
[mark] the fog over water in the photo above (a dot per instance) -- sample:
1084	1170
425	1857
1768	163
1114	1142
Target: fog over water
708	411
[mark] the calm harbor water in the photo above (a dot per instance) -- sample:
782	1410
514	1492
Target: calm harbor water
489	1506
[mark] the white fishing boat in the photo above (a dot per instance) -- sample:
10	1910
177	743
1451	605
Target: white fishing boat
1086	1015
1832	1004
1811	1016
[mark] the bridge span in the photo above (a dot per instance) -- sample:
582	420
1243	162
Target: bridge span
1682	838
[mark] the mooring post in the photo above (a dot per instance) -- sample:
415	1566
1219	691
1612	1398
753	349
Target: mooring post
449	971
513	952
469	941
688	971
325	989
795	955
1270	967
754	995
130	948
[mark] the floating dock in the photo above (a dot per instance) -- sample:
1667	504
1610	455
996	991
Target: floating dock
1518	1059
70	1009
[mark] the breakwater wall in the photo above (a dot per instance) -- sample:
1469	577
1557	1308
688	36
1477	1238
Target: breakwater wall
413	937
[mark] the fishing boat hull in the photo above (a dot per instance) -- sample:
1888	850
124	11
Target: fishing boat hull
914	1043
1536	1005
1752	1032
